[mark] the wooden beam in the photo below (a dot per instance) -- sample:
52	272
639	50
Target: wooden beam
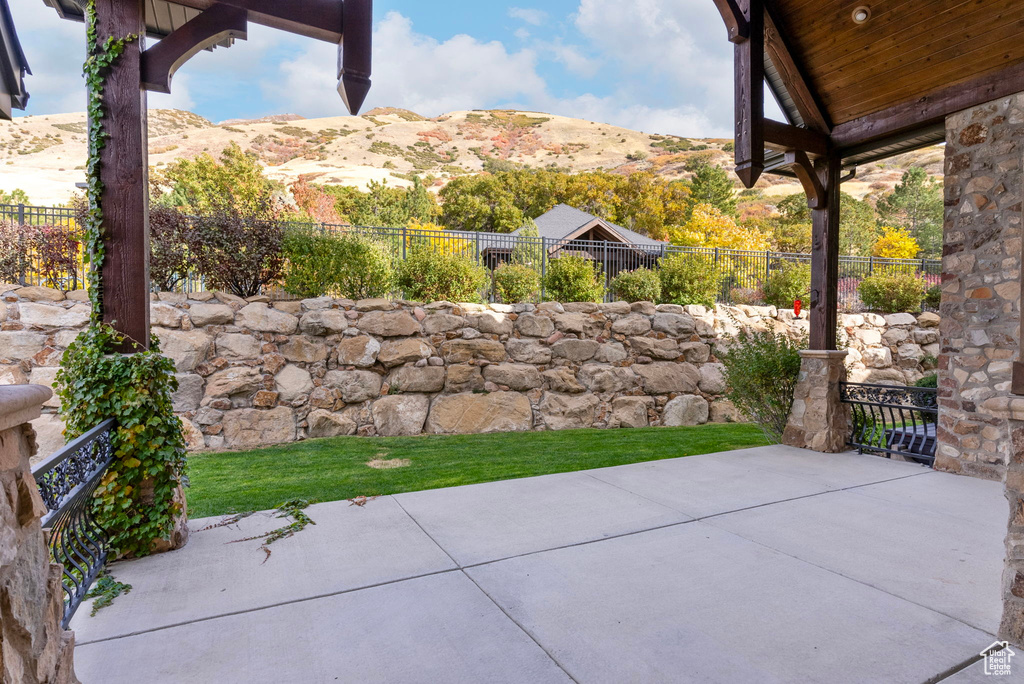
793	77
825	255
355	54
784	137
160	62
808	175
124	170
749	77
735	23
320	19
930	109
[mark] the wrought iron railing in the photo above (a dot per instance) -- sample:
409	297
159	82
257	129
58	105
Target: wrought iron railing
893	420
66	482
738	270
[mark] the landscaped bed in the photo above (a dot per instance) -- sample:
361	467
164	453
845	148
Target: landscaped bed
338	468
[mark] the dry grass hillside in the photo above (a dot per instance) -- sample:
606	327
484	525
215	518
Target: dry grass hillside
45	155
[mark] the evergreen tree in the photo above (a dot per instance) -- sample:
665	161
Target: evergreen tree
711	185
916	204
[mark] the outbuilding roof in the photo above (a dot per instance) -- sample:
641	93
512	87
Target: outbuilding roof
564	222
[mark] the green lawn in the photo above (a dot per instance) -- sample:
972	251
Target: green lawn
336	469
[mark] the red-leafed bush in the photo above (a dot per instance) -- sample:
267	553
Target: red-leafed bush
238	253
58	253
169	258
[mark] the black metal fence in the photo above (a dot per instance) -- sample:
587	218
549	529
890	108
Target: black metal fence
741	272
67	481
893	420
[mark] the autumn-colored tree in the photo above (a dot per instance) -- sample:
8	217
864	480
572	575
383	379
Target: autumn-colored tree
916	204
204	185
435	238
314	203
709	227
896	243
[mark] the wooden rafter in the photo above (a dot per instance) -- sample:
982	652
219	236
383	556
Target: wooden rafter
209	28
749	63
354	54
784	137
930	109
320	19
735	22
793	77
808	175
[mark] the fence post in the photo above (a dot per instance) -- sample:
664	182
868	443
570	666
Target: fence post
871	264
543	265
404	229
21	244
767	264
477	239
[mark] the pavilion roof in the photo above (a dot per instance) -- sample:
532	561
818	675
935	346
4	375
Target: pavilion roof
883	85
13	66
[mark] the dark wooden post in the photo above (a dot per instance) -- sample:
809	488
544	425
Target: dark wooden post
124	171
749	64
825	255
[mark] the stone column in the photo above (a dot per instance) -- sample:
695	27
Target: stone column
33	647
819	421
1011	409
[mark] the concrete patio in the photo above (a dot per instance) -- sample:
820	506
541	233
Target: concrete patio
762	565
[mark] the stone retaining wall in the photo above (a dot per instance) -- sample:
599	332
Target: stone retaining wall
254	373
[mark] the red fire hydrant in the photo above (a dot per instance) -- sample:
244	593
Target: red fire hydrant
797	305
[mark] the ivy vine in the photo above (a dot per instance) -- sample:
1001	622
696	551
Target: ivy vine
137	502
99	58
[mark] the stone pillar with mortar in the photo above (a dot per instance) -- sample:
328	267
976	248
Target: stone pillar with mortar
819	420
1011	410
34	649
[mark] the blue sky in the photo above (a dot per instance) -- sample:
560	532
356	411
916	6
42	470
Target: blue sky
661	66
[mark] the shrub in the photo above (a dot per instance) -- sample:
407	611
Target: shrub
930	380
786	284
429	276
58	252
689	279
516	283
169	258
893	292
641	285
237	253
746	295
761	371
14	242
933	297
573	279
340	264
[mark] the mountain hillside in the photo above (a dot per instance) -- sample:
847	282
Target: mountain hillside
45	155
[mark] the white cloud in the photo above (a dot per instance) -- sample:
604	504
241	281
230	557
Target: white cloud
684	120
179	98
573	59
535	17
416	72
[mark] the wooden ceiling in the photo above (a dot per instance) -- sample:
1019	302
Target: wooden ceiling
907	50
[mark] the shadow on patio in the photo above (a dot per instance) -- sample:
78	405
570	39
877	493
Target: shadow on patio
762	565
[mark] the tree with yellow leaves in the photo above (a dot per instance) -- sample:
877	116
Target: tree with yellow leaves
437	239
896	243
709	227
